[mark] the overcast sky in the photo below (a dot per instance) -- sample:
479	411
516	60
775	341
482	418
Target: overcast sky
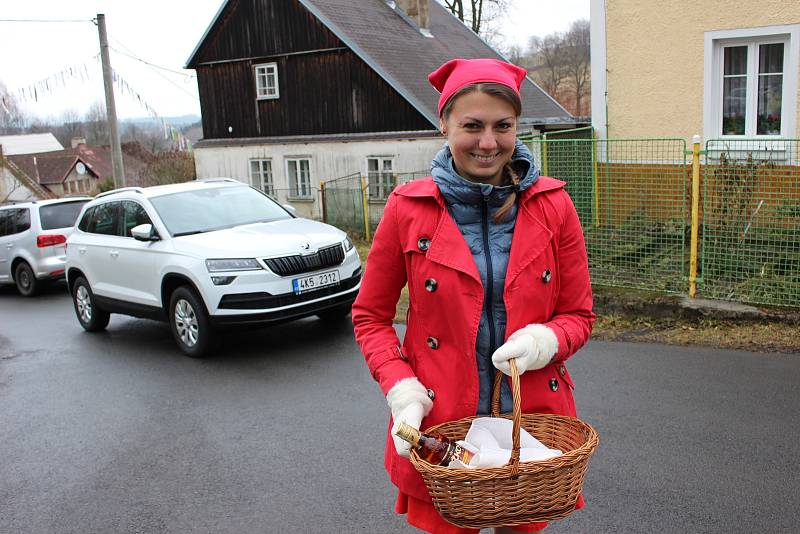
161	32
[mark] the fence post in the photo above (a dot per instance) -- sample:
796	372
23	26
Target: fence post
322	201
695	215
544	155
365	204
595	185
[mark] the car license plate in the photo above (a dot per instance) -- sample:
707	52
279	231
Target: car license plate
316	281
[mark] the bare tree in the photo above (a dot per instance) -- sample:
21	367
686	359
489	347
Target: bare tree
577	63
476	13
96	124
546	62
12	119
560	64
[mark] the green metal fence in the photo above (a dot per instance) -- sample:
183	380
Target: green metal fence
631	198
343	203
751	222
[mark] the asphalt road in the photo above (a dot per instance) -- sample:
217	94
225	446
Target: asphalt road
282	432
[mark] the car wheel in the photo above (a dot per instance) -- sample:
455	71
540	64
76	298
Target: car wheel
92	318
336	313
27	285
191	327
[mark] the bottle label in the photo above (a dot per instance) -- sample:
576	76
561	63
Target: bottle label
462	455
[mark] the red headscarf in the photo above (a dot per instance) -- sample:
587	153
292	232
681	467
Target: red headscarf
457	73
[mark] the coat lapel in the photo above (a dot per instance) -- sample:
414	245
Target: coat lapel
531	238
449	248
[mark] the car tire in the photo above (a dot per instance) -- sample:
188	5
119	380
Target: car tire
189	322
337	313
26	281
91	318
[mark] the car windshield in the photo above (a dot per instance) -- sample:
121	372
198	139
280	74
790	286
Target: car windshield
209	209
60	215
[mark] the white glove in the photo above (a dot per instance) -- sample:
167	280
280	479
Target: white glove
409	402
533	346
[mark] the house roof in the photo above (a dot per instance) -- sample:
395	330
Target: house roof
29	144
48	168
391	43
99	159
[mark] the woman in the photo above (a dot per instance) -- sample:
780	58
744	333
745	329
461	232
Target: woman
494	258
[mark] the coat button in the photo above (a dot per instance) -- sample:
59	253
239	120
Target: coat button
433	343
423	243
553	384
546	276
430	285
431	394
562	370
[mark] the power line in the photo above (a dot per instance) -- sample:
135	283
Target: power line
164	77
186	74
45	20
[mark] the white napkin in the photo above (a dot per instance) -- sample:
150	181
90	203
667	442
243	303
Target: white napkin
490	438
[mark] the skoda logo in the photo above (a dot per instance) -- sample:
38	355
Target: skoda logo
305	246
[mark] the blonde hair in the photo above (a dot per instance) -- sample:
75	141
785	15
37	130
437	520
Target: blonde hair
506	93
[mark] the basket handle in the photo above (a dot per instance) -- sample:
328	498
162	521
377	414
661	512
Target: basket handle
513	462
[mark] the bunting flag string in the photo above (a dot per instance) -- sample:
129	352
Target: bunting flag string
179	141
46	86
80	71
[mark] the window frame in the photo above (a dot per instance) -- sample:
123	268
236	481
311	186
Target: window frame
264	95
715	43
294	192
267	187
381	195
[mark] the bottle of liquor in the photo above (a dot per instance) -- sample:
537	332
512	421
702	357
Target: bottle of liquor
435	449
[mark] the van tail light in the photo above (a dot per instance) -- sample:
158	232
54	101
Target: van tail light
50	240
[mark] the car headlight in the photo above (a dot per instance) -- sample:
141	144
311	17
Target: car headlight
234	264
347	244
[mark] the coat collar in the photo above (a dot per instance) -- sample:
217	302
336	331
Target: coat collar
427	188
447	243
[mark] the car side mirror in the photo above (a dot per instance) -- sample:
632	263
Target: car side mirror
291	209
145	232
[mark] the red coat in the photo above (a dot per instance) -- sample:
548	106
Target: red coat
417	241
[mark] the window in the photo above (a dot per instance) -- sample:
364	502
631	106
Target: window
266	81
21	220
133	214
206	210
298	170
380	177
62	215
104	219
751	82
261	175
3	219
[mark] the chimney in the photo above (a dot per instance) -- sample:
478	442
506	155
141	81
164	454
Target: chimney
78	141
417	10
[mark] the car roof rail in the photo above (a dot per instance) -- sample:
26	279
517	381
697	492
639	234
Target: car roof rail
135	189
212	180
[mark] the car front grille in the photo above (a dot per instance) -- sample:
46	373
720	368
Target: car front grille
264	300
291	265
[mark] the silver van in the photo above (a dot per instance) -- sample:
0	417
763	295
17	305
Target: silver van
33	237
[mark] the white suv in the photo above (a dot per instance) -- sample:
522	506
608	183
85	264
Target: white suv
206	254
32	241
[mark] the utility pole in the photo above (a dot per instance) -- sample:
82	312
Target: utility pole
111	108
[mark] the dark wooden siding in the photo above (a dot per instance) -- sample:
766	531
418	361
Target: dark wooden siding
259	28
320	93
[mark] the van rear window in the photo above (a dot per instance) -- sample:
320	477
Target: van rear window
60	215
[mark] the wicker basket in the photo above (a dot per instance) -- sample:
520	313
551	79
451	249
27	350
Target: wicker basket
517	493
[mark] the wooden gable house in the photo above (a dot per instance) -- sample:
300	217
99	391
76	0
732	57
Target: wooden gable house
294	92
